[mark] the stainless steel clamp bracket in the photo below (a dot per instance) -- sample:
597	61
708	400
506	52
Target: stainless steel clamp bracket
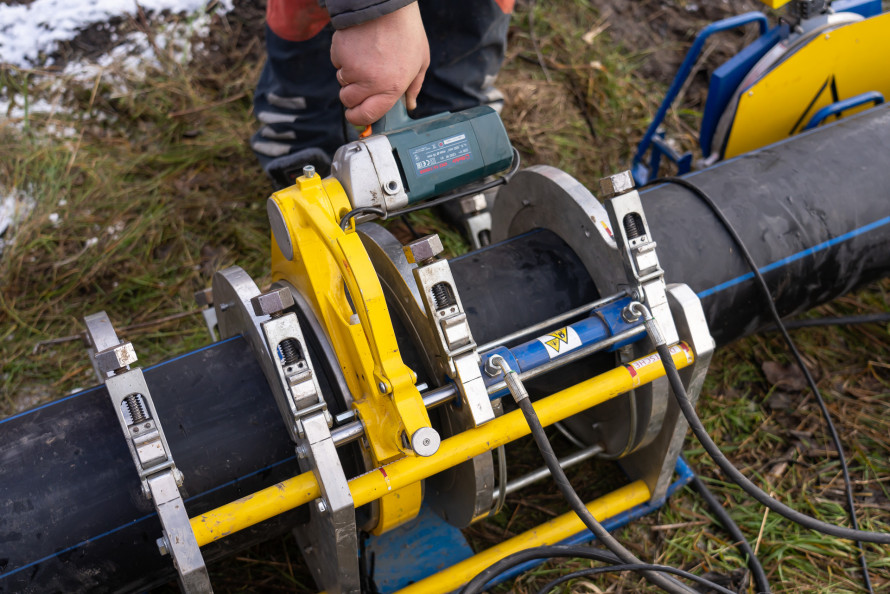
445	315
148	446
637	249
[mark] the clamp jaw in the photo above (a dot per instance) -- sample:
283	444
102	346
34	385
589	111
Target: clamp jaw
141	426
457	354
637	249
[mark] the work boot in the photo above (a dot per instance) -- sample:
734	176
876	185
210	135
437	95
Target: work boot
284	170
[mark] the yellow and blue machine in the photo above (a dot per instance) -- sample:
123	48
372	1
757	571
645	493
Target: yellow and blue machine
814	66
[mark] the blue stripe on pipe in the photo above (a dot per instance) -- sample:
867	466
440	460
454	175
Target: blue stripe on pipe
138	520
793	258
94	388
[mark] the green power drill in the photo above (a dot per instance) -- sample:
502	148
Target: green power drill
404	160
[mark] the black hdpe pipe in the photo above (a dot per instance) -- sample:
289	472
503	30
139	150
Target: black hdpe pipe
813	210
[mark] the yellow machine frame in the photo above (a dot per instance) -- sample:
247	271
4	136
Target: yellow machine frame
839	64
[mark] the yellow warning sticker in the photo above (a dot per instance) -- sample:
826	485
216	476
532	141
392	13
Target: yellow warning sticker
560	341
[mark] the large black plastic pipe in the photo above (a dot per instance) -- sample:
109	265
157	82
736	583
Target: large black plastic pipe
814	209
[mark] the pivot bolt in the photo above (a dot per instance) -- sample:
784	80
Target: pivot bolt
424	249
616	185
163	546
425	441
273	302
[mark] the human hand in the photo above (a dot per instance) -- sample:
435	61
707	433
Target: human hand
380	61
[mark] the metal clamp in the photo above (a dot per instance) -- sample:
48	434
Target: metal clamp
445	315
295	374
148	446
276	341
637	249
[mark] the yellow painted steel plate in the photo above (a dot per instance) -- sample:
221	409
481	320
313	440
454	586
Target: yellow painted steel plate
836	65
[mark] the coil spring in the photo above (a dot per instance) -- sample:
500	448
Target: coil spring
290	351
136	408
443	296
633	225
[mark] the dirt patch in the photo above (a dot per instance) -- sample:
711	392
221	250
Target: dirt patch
663	30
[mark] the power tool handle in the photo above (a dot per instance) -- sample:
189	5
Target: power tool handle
397	117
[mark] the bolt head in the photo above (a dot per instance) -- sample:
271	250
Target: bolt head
272	302
322	506
204	297
382	387
615	185
425	441
423	249
163	546
473	204
308	171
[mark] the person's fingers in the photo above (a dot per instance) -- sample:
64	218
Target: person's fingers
370	110
413	90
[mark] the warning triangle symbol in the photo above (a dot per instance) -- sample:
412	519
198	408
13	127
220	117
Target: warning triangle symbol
561	334
553	343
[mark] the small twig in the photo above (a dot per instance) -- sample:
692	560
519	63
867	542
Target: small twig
130	328
183	112
762	527
534	38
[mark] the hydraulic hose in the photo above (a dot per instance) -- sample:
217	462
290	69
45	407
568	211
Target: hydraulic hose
698	429
517	390
758	575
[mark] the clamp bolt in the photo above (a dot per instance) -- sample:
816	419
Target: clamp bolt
272	302
425	441
616	185
163	546
424	249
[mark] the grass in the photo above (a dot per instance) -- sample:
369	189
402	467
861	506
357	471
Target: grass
157	189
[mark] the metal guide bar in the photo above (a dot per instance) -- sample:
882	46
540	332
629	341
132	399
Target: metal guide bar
376	483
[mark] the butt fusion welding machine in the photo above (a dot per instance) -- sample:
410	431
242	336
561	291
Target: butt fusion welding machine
379	356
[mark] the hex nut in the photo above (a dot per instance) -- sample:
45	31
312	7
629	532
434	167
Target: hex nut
116	358
423	249
272	302
204	297
615	185
473	204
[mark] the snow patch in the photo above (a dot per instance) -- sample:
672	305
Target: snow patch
15	206
29	32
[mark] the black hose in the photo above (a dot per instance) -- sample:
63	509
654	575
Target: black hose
478	583
764	289
629	567
757	573
872	318
565	487
737	477
520	395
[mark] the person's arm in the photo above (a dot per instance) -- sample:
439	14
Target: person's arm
379	60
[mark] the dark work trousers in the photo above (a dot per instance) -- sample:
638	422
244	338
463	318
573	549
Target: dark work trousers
297	98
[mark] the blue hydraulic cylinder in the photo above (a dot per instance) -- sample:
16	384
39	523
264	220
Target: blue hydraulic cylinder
603	322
